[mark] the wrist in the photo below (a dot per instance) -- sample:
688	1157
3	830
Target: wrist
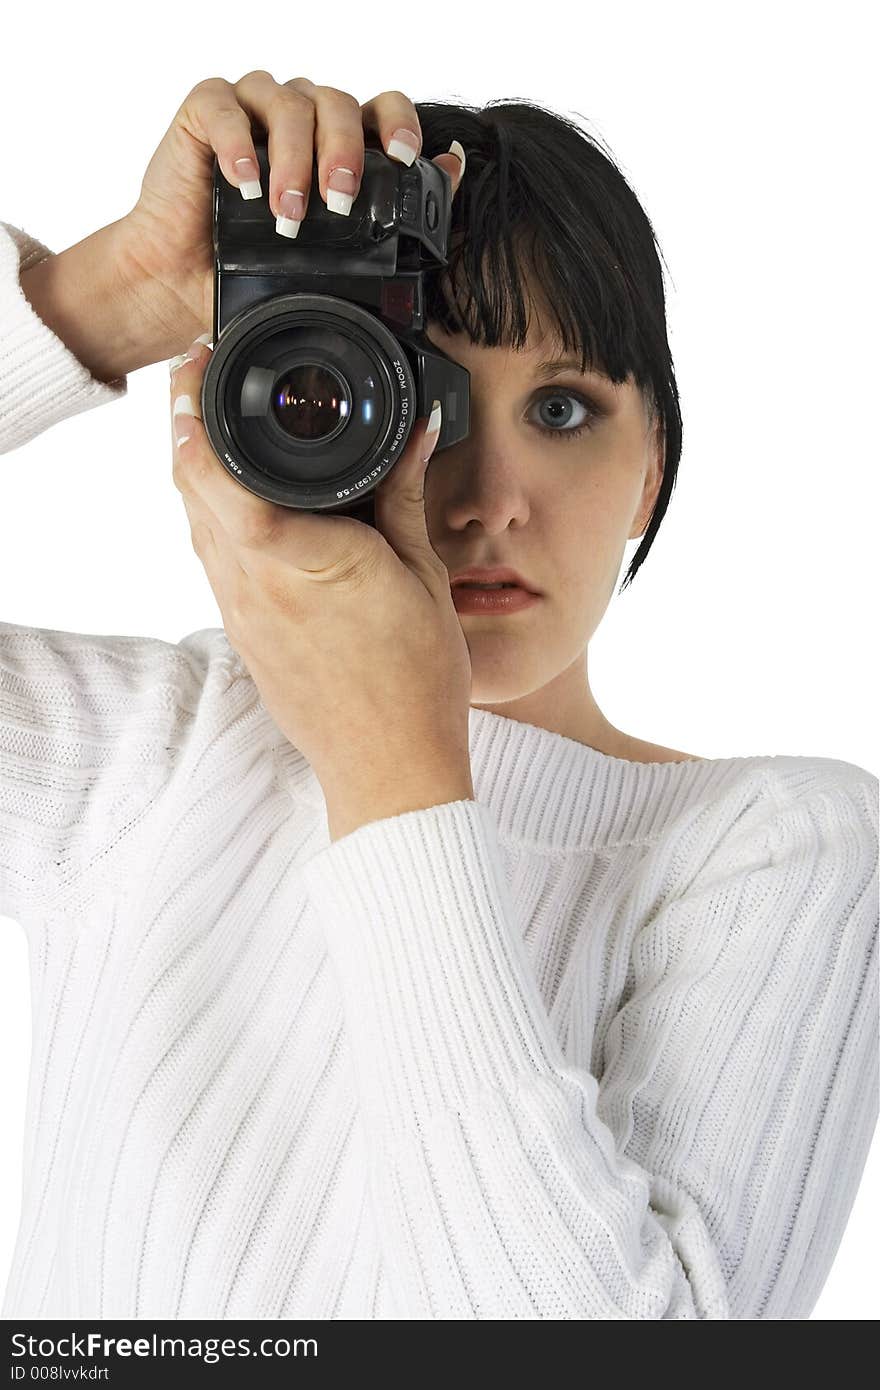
354	806
104	318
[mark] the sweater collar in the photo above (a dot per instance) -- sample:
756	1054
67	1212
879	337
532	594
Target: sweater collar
553	793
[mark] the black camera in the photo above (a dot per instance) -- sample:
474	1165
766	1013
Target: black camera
320	363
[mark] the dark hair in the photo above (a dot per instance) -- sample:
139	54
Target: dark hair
540	198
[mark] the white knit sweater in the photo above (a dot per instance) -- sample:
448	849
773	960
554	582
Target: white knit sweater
601	1043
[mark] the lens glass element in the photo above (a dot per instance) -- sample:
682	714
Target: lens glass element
310	401
315	402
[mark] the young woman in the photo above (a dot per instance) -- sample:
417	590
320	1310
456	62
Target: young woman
376	973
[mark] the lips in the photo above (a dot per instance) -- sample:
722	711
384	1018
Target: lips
500	574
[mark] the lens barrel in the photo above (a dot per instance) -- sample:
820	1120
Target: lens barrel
308	400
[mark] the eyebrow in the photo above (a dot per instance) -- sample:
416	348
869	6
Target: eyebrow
559	364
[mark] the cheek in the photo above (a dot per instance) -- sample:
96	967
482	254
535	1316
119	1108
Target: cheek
605	505
587	541
587	530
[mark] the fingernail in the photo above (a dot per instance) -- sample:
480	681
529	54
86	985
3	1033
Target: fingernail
184	409
432	433
403	145
292	204
456	149
247	171
341	188
195	351
192	354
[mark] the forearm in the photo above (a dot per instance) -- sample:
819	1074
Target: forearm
110	326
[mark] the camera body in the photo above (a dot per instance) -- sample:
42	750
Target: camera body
320	364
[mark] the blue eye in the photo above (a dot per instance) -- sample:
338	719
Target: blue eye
591	414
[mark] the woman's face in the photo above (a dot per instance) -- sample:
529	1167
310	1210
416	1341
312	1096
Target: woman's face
524	490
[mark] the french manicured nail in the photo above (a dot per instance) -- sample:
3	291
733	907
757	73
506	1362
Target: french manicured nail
341	188
191	354
432	433
249	174
456	149
403	145
292	204
182	417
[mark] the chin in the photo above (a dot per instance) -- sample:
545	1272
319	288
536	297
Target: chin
486	690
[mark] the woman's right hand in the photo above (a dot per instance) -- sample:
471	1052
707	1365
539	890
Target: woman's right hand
166	241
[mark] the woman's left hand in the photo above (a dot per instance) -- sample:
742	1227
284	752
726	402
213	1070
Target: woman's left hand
349	632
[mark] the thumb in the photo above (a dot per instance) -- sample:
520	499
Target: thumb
453	163
399	506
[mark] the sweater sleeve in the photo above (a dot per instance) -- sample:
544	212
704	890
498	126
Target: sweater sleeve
90	727
710	1170
70	748
41	381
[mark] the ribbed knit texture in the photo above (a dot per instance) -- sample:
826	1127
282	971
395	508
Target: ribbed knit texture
601	1043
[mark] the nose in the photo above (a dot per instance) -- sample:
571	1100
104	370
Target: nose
479	482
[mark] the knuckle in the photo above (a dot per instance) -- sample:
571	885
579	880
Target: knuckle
340	98
232	112
260	74
200	537
183	469
209	86
198	470
289	101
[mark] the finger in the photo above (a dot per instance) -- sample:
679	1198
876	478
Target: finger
195	465
227	579
399	508
339	147
219	562
392	118
215	116
453	162
201	532
256	531
286	112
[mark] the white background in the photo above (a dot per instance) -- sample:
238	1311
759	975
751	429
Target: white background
746	132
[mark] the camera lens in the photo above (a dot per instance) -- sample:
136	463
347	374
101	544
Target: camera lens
310	401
